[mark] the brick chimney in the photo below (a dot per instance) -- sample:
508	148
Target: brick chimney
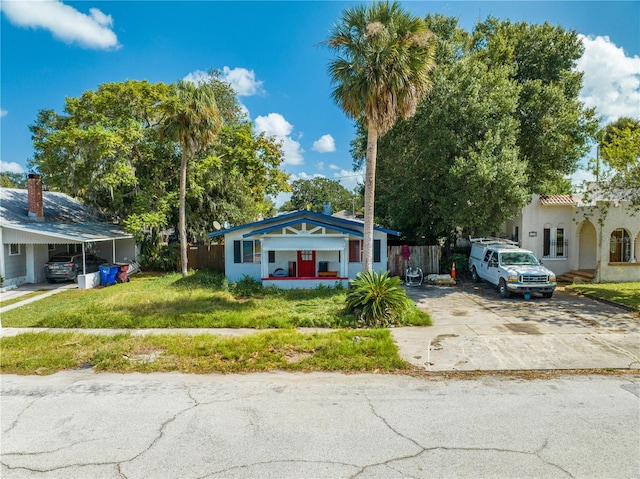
34	191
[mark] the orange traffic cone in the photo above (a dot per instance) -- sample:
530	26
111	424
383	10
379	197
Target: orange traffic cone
453	270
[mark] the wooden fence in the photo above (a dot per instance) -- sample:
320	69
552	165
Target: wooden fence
206	256
425	257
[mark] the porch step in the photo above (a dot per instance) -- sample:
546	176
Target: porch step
578	276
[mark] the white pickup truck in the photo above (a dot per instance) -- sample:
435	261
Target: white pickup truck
509	267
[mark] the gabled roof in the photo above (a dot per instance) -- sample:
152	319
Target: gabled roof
339	224
64	218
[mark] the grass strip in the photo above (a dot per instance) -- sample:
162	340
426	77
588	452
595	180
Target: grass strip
623	293
287	350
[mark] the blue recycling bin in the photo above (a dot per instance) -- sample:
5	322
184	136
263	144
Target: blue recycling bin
108	273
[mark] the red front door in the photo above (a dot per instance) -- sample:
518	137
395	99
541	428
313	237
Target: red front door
306	264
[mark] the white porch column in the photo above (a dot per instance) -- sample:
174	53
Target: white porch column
2	271
344	259
264	263
30	263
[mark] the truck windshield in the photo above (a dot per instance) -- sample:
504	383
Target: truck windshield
518	258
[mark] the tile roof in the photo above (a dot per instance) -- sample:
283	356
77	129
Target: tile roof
557	200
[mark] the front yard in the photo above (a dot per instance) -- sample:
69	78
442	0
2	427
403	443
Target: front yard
203	300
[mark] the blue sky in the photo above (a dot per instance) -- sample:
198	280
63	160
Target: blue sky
270	51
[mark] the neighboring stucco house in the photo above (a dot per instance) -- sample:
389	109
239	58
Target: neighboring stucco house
601	238
302	249
36	224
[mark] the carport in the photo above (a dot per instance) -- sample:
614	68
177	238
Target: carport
45	239
35	224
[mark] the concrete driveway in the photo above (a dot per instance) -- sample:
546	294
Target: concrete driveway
475	329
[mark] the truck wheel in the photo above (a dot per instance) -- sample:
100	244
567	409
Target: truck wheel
547	295
474	275
502	289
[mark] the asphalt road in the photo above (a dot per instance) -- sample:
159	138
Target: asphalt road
79	424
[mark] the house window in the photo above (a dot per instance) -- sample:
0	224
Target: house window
356	248
51	247
620	246
247	251
306	255
554	243
75	248
355	251
14	249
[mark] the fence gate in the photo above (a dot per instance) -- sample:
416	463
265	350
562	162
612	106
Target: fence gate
206	256
425	257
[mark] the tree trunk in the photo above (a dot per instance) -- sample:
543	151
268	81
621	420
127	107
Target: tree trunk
369	197
182	220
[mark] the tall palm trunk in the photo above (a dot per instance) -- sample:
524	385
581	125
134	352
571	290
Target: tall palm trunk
182	213
369	196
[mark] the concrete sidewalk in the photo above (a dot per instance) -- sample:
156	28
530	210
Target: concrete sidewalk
44	290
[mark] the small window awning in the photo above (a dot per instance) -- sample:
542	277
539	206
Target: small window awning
300	242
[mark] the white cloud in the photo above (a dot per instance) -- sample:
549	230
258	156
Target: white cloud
10	167
3	112
243	81
305	176
349	179
199	77
325	144
333	167
101	18
611	81
274	124
64	22
320	165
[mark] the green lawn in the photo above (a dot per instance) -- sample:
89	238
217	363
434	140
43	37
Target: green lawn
285	350
624	293
202	300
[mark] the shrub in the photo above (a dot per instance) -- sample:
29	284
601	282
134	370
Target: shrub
461	261
247	287
377	299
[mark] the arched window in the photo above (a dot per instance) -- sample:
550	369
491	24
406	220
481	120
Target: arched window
620	246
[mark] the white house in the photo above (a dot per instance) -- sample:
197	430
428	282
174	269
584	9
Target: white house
601	238
36	224
302	249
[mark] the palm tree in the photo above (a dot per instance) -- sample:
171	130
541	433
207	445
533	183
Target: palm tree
194	121
385	56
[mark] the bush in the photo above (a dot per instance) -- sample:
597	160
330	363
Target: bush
461	261
247	287
377	299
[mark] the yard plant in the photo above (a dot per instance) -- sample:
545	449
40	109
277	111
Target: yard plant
377	299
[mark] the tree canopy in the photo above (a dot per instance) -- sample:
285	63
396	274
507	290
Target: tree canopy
619	152
314	193
502	121
110	148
